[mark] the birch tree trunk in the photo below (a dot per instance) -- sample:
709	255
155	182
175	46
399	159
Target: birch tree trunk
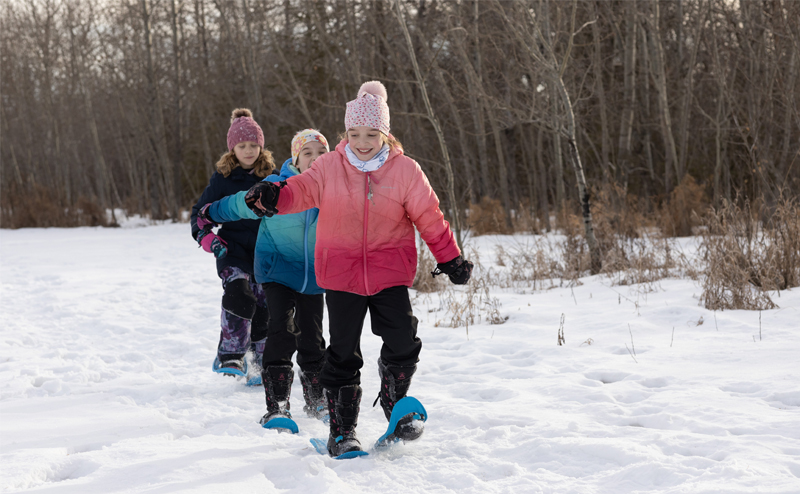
451	195
540	49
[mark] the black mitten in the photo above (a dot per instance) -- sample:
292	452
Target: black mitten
262	198
459	270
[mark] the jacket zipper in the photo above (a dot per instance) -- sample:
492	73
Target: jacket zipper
305	252
367	198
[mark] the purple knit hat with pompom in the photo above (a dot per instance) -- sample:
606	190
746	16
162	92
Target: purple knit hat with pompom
244	128
369	109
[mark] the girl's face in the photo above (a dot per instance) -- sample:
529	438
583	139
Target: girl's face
308	153
365	142
247	153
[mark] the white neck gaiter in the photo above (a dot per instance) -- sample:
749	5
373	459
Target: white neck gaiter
373	164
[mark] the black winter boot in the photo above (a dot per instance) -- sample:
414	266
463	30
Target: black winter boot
343	404
315	406
277	387
395	382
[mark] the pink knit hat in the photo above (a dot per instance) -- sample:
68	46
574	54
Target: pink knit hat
369	109
244	128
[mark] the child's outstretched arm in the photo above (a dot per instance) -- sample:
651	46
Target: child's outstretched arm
293	195
230	208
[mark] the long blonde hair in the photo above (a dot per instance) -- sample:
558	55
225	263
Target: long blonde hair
262	167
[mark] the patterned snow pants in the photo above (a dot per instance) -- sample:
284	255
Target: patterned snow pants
244	316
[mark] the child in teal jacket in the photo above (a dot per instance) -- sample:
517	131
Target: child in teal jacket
284	263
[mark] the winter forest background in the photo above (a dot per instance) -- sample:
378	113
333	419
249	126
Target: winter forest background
125	103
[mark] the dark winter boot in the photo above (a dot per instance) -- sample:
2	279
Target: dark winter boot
316	405
343	404
395	382
277	387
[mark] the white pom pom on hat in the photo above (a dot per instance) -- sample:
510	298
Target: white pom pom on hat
373	87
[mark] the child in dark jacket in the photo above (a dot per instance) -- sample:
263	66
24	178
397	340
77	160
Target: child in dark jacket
284	263
370	198
244	306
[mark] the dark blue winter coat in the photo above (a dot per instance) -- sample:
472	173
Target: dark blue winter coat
285	247
240	235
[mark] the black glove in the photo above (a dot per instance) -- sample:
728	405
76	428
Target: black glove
262	198
459	270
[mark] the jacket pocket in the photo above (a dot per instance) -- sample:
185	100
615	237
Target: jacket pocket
342	270
410	272
389	267
269	265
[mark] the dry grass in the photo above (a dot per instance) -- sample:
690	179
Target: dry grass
533	265
524	220
684	210
43	208
472	303
487	217
632	251
424	282
746	259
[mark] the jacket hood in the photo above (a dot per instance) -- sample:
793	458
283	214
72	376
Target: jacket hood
288	169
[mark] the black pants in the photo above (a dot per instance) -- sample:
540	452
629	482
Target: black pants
295	324
392	320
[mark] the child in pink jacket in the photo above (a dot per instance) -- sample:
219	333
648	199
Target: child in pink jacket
370	196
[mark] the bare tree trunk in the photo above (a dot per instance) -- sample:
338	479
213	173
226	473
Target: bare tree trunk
599	89
10	144
158	137
629	91
47	30
646	112
177	102
558	160
790	95
475	95
553	70
451	195
469	166
251	62
529	159
295	89
543	199
502	169
580	179
659	78
688	86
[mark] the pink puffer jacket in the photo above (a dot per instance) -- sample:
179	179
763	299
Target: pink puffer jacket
365	231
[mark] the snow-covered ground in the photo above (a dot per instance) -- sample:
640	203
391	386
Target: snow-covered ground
107	338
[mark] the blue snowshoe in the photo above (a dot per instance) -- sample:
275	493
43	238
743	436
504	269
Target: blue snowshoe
231	367
277	388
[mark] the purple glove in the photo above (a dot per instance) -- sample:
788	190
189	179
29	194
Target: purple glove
212	244
204	221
